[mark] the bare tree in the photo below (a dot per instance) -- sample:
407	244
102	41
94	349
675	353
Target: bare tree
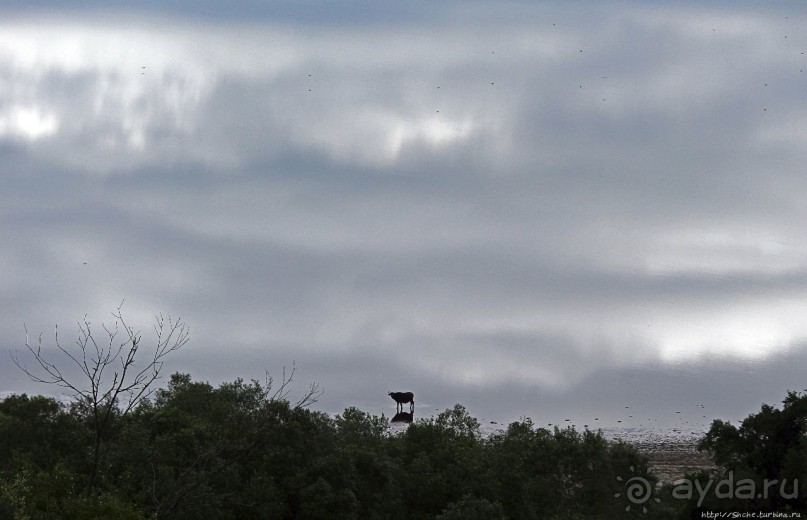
109	385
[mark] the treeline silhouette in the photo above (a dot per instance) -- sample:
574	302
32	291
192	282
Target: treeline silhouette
195	451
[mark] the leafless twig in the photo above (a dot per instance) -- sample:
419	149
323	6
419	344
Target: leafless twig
310	397
109	384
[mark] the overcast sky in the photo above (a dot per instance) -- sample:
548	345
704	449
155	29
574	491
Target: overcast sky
552	210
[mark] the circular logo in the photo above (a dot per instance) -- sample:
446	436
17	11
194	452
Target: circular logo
637	491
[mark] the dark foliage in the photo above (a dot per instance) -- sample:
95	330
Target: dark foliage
762	462
239	451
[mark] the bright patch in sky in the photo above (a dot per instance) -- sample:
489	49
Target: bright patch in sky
27	122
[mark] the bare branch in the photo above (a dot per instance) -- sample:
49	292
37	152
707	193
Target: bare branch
109	383
310	397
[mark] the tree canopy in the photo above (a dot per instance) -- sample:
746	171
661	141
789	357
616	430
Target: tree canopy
238	451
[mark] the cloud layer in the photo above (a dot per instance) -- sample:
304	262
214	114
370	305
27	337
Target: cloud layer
487	198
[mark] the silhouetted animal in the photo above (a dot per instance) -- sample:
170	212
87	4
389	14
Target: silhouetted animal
401	398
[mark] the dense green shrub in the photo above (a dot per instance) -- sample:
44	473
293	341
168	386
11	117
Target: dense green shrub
769	446
237	451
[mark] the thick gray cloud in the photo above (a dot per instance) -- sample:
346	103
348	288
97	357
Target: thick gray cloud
483	203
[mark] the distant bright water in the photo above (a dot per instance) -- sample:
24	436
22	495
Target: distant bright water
646	438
